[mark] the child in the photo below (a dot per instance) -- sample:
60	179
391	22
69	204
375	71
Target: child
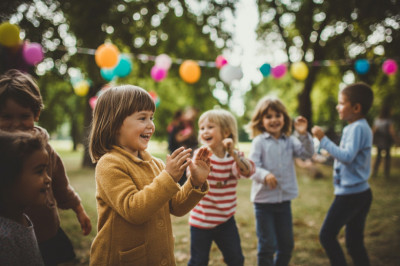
23	182
135	192
212	219
352	165
20	106
274	184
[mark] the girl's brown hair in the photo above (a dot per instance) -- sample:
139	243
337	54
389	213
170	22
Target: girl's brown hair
225	120
15	147
111	109
255	127
22	89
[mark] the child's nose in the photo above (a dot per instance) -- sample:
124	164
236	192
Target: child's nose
47	180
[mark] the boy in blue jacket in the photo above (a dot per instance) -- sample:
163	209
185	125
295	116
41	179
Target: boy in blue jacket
351	171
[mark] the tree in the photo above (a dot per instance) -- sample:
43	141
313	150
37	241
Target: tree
179	28
316	31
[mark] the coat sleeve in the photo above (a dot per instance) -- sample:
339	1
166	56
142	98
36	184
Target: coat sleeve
118	190
64	193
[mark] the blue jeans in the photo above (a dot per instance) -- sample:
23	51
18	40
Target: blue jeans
350	211
225	235
275	233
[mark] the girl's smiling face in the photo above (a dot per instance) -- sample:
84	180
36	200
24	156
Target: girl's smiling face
211	134
273	123
13	116
136	131
33	184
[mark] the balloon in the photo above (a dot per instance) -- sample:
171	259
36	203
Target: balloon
190	71
32	53
389	67
124	66
265	70
361	66
106	55
82	88
9	34
163	61
299	70
220	61
158	73
279	71
155	98
107	73
93	101
230	73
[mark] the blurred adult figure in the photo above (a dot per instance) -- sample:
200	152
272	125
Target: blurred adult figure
384	137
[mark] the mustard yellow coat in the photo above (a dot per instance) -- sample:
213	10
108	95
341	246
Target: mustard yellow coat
134	201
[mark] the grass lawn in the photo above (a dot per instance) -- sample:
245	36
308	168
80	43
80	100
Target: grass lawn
382	234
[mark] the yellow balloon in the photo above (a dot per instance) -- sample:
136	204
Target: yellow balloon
82	88
9	34
299	70
190	71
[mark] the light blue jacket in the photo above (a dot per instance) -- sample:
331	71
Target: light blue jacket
276	156
352	165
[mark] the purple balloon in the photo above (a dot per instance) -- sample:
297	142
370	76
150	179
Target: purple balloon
279	71
32	53
158	73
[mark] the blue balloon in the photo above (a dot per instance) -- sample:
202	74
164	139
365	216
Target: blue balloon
107	73
124	66
361	66
265	70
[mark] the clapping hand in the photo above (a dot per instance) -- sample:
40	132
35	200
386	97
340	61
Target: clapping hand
177	163
200	166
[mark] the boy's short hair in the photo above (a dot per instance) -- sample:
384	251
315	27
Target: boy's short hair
111	109
15	147
21	88
359	93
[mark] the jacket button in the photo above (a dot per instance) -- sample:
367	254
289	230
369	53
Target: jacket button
160	223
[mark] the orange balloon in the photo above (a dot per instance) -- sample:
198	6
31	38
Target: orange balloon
190	71
106	55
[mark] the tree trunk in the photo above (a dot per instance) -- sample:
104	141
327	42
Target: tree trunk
304	97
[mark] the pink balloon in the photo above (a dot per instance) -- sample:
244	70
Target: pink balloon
92	101
389	67
220	61
32	53
279	71
158	73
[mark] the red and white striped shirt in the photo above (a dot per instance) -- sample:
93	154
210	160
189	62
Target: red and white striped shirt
220	202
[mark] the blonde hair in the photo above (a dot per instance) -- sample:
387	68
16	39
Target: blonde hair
111	109
224	119
255	127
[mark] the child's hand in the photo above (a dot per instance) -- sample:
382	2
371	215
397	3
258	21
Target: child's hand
228	145
177	163
200	166
300	124
83	219
271	181
317	132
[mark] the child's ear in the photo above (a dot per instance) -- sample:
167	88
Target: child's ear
226	134
357	108
37	116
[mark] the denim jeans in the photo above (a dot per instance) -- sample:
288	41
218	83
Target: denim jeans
350	211
225	235
275	233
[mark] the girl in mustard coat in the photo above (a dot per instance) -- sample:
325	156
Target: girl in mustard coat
135	192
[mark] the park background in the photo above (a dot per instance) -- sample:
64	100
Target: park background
340	42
